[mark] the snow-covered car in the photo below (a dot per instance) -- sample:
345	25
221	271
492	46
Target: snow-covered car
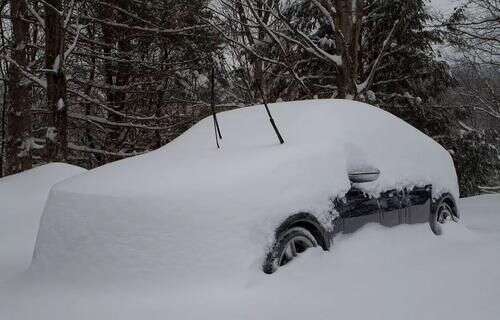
189	208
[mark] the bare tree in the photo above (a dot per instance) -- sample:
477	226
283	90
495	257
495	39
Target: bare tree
474	29
261	22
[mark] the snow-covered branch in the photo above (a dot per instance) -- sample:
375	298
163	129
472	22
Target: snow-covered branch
35	14
176	31
40	82
366	85
85	149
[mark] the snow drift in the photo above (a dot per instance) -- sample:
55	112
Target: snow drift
22	198
191	212
399	273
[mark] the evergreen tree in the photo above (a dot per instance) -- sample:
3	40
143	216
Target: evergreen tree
410	73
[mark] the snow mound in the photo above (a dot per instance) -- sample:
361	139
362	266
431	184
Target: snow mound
399	273
190	212
22	198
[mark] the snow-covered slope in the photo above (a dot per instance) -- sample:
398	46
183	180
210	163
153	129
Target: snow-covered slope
377	273
22	198
190	212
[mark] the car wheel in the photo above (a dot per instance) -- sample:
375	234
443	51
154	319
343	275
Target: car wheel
441	215
288	246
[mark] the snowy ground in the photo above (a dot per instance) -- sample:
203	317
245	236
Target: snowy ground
377	273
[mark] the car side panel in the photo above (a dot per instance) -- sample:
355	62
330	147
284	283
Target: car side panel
418	213
356	210
419	205
392	208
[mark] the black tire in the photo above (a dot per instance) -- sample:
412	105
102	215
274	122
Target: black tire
289	244
442	213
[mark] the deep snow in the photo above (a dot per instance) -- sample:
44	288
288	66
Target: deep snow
377	273
22	198
189	213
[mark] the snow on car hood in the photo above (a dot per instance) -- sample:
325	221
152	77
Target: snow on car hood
191	211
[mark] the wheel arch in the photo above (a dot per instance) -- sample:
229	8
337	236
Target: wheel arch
448	199
310	223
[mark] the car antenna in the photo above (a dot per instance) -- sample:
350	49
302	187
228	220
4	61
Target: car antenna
271	119
218	134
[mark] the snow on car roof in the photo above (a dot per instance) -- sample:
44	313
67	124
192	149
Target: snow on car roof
222	206
356	132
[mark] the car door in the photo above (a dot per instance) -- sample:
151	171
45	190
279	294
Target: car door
418	200
356	209
392	207
409	206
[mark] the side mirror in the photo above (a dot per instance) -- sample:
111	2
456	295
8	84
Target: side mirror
363	175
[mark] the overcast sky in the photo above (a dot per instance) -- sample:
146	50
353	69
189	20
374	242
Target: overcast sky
445	5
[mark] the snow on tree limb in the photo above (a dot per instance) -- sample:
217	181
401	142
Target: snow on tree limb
366	85
40	82
144	29
85	149
35	14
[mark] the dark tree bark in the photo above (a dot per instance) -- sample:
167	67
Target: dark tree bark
18	135
347	39
4	99
2	129
57	128
117	73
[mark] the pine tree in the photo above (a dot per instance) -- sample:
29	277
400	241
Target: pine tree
410	73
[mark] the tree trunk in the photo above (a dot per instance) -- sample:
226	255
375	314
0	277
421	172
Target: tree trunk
347	39
117	73
358	13
2	124
18	139
3	70
57	128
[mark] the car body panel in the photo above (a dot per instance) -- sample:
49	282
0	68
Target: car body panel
390	209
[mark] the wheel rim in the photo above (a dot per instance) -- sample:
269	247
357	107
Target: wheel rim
445	214
293	248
